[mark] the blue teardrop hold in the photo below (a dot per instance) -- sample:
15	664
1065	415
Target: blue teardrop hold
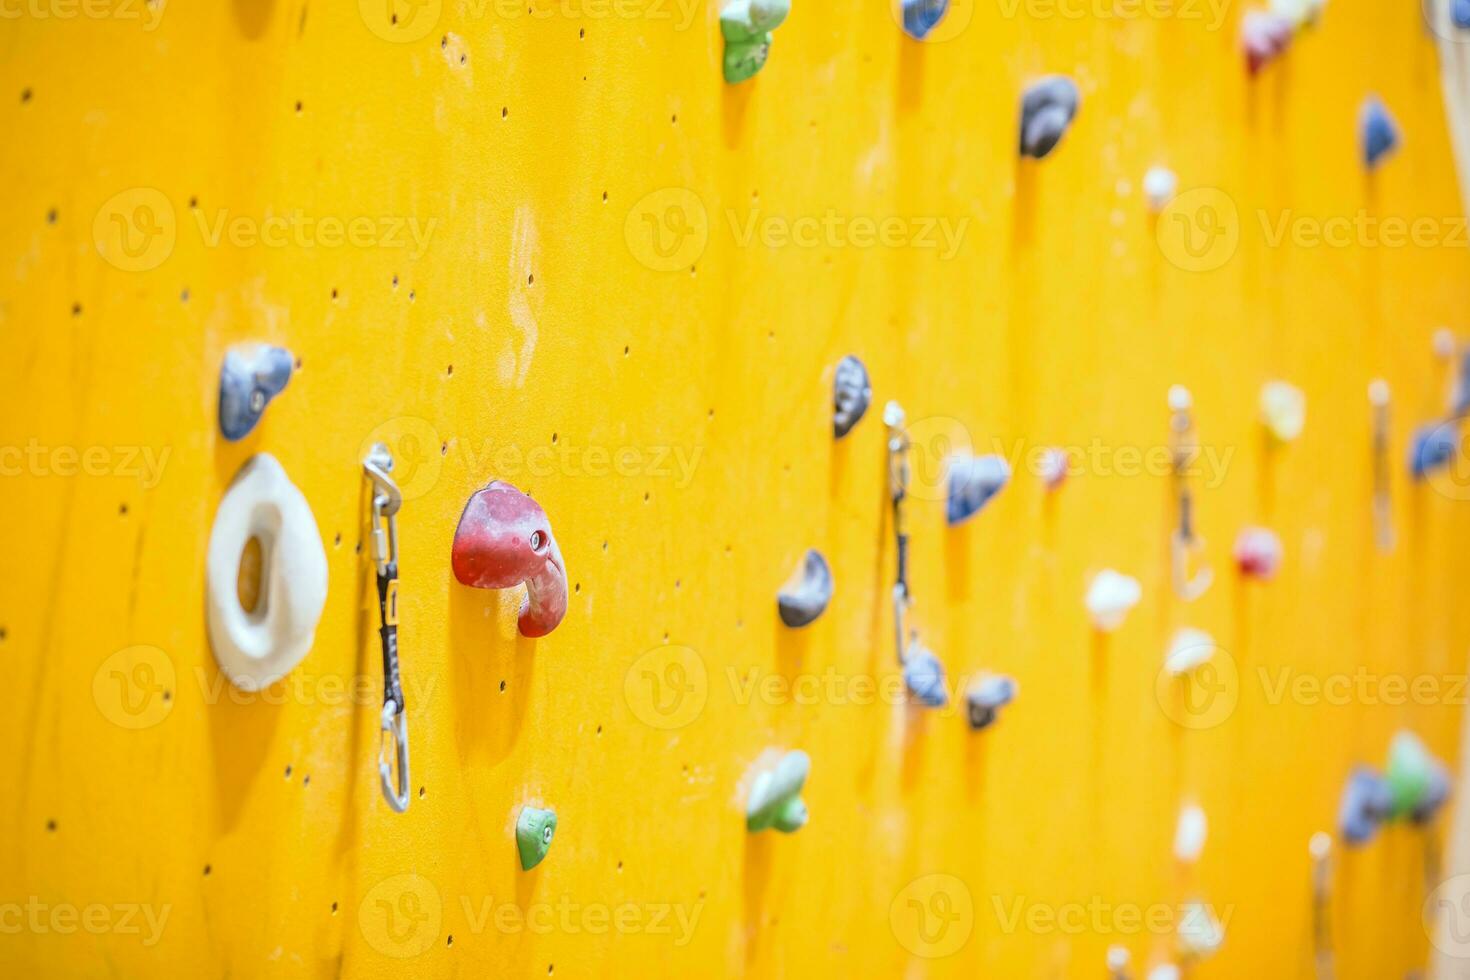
251	375
1460	13
1379	132
1365	803
973	480
923	674
922	16
1434	445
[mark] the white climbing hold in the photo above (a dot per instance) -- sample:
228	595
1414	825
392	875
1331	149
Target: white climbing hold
1191	647
1301	13
1159	185
1199	934
1189	835
1283	409
1179	398
1053	468
257	648
1164	971
1110	597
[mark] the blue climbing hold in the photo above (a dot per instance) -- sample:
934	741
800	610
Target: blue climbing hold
251	375
1434	445
1380	134
922	16
973	480
1460	13
1366	802
923	674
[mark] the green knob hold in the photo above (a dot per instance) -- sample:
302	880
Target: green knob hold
746	26
534	830
1417	783
775	796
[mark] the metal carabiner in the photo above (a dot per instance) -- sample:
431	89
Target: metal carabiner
387	499
898	483
1192	574
1378	397
1320	848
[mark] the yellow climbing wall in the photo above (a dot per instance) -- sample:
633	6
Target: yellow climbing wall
543	241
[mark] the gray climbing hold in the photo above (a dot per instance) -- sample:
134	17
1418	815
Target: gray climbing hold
534	830
973	480
805	596
251	375
851	393
1047	110
986	697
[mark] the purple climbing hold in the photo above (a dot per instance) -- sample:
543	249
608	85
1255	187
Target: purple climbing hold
1047	110
1365	804
1379	133
851	393
251	375
923	674
973	480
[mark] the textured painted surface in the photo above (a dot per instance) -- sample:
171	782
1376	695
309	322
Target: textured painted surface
676	426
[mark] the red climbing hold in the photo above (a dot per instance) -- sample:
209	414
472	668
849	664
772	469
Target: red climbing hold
503	539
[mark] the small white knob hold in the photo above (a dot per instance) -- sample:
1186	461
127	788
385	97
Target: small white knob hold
1320	846
1159	185
1378	392
1444	343
1191	647
1117	959
1179	398
1283	409
1110	597
257	648
1189	835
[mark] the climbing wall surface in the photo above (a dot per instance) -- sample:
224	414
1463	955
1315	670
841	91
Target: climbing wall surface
546	242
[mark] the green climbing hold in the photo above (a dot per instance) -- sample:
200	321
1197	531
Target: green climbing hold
1417	783
747	26
775	796
534	830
